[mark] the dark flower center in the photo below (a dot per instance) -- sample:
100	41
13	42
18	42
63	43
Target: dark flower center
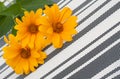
33	29
25	53
58	27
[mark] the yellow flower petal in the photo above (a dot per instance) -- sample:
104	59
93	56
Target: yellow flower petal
6	40
65	14
35	54
43	55
66	37
18	21
43	20
38	41
38	12
10	52
25	65
48	12
32	15
55	12
33	62
50	30
26	41
70	23
42	28
21	36
32	41
18	69
56	40
10	61
40	61
69	32
26	14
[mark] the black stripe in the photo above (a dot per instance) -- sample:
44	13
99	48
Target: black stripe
83	49
111	73
99	64
2	66
2	42
88	56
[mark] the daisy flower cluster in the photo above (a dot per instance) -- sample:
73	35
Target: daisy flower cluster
35	31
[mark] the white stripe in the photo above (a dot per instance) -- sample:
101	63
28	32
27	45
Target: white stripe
77	45
2	61
1	53
82	54
107	70
116	73
2	47
92	59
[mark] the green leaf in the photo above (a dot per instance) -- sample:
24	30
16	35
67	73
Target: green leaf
34	4
14	32
2	6
6	23
13	10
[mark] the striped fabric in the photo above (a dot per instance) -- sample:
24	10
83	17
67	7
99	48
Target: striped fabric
94	52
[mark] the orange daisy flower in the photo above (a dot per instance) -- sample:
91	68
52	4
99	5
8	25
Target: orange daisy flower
58	24
22	59
28	31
